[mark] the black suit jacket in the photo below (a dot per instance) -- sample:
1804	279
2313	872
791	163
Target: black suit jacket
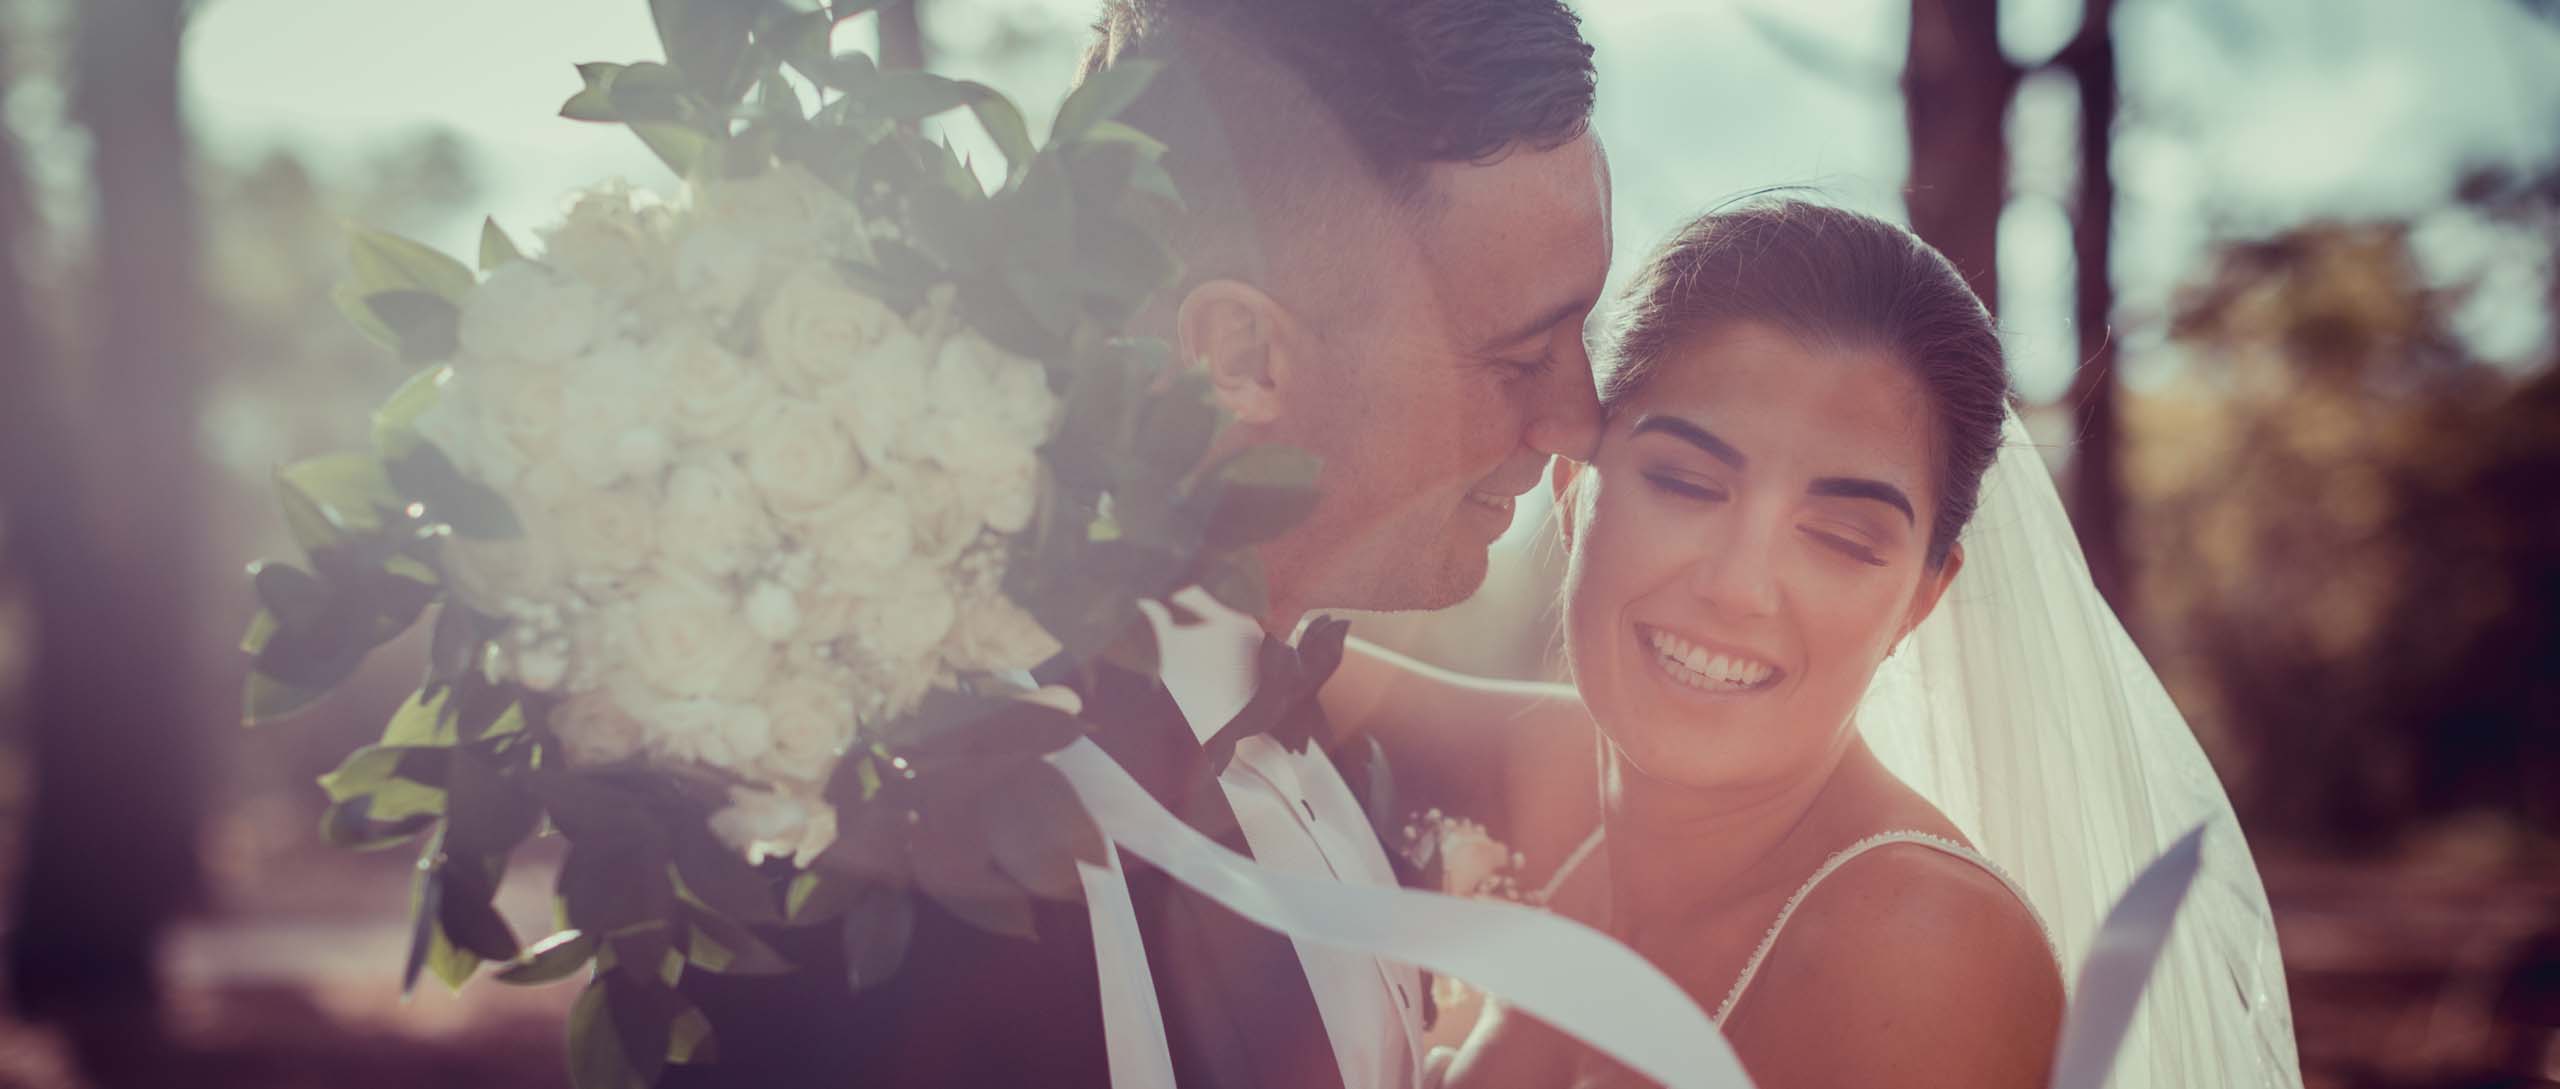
972	1008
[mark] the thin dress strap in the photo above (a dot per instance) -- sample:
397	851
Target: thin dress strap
1841	858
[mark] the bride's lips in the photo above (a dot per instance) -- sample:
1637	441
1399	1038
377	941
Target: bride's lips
1700	668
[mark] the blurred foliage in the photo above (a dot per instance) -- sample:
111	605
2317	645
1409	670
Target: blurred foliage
2351	561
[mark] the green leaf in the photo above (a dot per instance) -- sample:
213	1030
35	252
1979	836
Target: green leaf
395	424
454	644
706	40
467	918
878	925
1003	122
1258	494
1101	97
348	297
388	262
689	1038
598	1058
679	146
472	509
350	824
265	699
426	894
329	497
720	879
489	813
846	9
595	101
297	598
262	627
550	960
907	95
1038	831
420	722
496	249
721	945
618	894
398	782
1237	582
649	92
429	327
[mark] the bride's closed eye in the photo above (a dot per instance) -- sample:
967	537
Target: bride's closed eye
1684	487
1845	545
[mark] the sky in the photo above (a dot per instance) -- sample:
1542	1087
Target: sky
2240	117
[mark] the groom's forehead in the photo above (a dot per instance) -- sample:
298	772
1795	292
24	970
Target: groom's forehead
1520	235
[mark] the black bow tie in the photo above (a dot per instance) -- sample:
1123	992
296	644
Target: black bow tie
1284	696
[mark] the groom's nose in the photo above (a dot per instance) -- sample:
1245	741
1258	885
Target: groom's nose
1565	419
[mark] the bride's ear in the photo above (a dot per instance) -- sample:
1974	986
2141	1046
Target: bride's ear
1933	586
1231	330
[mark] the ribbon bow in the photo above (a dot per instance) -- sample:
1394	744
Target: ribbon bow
1283	705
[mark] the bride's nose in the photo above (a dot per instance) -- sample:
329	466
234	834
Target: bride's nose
1732	574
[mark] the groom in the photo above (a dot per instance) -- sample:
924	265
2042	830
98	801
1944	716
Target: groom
1396	226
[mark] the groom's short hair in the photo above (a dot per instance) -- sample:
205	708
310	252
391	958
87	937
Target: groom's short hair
1292	126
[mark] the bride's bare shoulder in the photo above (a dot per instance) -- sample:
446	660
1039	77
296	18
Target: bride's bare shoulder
1929	962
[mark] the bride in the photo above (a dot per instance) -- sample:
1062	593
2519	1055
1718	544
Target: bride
1864	809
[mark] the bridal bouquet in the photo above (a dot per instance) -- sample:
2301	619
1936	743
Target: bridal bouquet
741	515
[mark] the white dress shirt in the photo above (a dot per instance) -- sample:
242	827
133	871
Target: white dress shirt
1299	817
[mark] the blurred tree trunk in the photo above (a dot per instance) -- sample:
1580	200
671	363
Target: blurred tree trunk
110	490
1956	87
2096	485
901	35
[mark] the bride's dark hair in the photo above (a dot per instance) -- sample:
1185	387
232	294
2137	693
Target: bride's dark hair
1836	278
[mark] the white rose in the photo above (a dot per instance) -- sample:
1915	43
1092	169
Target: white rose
713	393
813	327
710	520
606	240
945	512
730	735
861	538
812	717
991	634
688	639
620	409
798	459
1023	402
765	824
604	534
717	270
497	576
994	470
784	210
907	619
526	313
520	413
596	730
884	392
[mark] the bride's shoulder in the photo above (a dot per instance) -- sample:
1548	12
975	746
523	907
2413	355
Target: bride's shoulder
1930	958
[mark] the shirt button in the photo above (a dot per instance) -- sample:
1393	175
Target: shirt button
1309	807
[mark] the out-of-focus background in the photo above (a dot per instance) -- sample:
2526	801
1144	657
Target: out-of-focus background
2281	279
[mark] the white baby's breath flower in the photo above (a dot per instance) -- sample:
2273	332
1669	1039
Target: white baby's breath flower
710	521
596	730
946	515
528	314
768	824
1472	862
730	735
813	327
689	640
798	459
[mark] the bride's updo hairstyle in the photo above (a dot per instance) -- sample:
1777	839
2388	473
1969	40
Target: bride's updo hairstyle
1835	278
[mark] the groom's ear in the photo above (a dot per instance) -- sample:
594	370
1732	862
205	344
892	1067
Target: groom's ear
1231	330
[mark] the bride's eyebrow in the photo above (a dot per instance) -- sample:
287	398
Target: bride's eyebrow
1850	487
1705	440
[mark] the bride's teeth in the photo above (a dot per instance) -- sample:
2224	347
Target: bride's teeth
1698	667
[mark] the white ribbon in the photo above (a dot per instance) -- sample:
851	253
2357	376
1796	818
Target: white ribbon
1572	976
